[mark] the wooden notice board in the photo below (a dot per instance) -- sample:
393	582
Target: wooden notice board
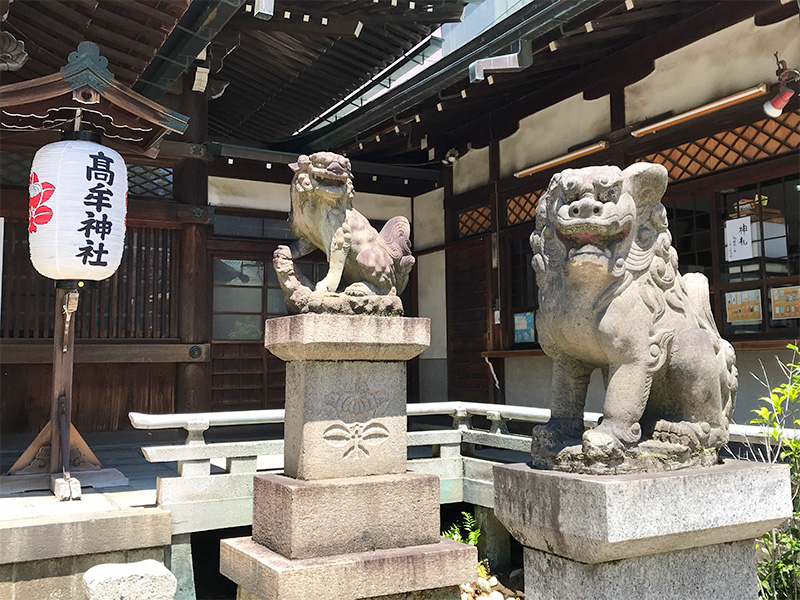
743	307
785	302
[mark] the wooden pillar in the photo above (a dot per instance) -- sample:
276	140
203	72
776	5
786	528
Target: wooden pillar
494	266
190	184
63	352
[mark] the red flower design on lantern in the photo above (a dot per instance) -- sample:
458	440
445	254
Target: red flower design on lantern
38	213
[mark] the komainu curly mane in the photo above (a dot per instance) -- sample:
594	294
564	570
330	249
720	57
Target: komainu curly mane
611	297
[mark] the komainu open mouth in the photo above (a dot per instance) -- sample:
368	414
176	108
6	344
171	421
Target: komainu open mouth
330	181
593	235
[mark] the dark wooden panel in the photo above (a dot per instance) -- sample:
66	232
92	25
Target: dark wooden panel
238	376
467	337
102	395
138	301
23	353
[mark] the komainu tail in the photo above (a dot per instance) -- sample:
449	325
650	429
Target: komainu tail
397	235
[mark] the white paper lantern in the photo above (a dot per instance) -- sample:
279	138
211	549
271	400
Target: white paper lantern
78	200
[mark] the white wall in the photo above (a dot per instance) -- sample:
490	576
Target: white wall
716	66
381	207
552	131
261	195
428	220
528	381
243	193
471	170
432	304
432	301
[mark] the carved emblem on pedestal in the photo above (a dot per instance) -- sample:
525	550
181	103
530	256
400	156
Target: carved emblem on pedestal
357	428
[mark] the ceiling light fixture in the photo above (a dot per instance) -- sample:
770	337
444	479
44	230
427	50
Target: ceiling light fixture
450	157
565	158
774	108
737	98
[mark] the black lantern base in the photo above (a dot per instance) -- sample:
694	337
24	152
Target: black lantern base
86	136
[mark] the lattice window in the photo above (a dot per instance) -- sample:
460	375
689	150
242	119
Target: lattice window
15	169
474	220
522	209
144	180
727	149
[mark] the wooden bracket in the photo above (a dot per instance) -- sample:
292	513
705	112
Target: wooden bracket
36	458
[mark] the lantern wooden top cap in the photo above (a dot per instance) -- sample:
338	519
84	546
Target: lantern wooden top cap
127	119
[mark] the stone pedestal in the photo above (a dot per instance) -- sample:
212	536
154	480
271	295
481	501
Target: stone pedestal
345	520
681	534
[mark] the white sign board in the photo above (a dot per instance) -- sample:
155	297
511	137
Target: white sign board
738	239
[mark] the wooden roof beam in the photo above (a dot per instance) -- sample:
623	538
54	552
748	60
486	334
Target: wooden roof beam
97	32
644	14
588	39
303	24
70	15
148	12
112	19
38	19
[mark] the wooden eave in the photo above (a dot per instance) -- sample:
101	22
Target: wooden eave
136	123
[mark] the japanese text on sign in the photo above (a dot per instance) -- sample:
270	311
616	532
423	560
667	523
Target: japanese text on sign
738	239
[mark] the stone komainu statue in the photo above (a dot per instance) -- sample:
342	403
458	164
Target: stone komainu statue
611	297
367	269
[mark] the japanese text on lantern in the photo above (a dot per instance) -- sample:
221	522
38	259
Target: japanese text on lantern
97	224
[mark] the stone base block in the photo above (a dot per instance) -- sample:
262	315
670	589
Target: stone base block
345	419
305	519
91	532
343	337
270	576
145	580
718	572
64	489
594	519
94	478
446	593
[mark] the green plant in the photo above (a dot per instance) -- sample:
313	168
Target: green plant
779	567
466	532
